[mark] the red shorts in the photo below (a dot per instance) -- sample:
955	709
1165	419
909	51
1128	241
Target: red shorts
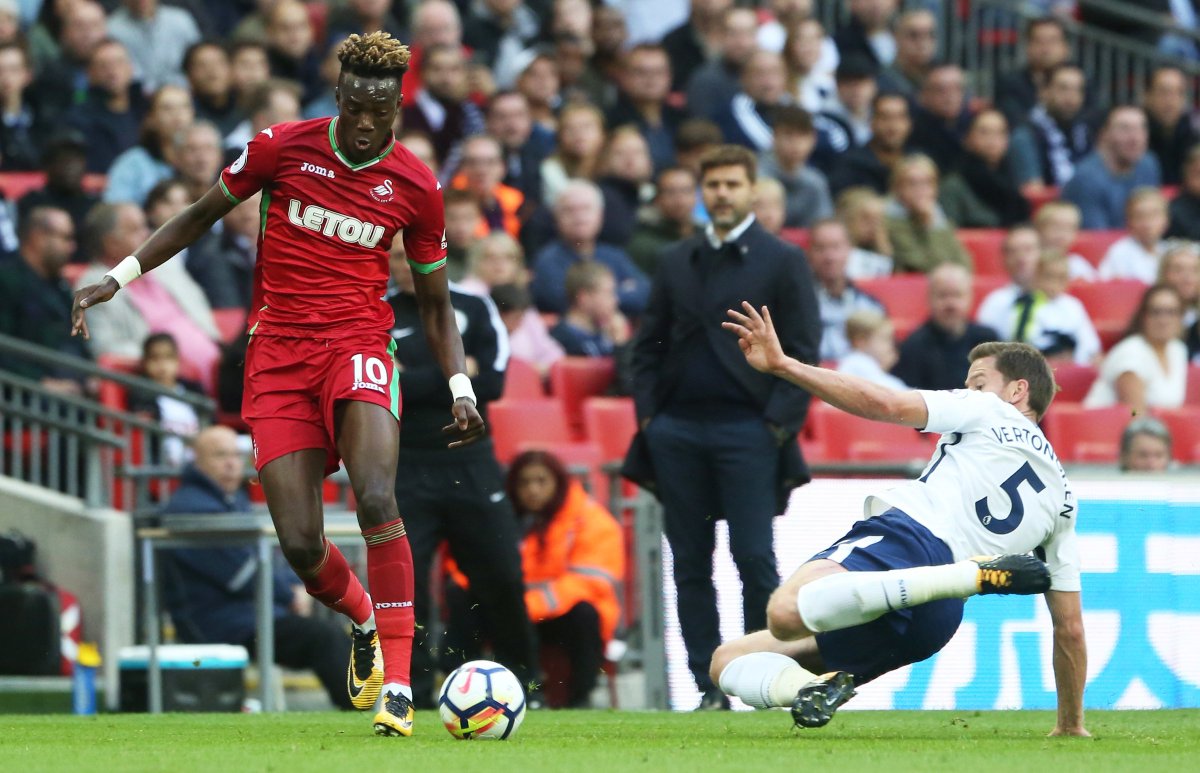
293	385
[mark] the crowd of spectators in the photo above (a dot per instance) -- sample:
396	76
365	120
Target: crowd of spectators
568	133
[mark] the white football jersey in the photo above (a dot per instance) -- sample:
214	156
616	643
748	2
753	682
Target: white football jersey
993	486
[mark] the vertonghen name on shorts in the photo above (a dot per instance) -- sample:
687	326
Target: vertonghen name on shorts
329	223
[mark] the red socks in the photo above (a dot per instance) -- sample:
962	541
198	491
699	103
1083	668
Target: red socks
332	583
390	576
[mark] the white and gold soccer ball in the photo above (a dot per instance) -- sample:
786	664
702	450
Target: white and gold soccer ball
482	699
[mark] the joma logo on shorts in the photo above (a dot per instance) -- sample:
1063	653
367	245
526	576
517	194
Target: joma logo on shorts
366	385
392	604
351	230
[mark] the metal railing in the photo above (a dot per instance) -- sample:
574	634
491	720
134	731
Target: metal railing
76	445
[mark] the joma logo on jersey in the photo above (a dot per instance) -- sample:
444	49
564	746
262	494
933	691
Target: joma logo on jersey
307	167
325	221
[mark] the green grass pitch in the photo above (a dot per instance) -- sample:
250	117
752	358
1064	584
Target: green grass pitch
596	741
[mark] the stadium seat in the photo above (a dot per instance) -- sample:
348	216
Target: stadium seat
231	323
1093	244
1192	396
1073	381
14	185
514	422
611	423
572	379
1044	196
522	381
796	236
72	271
982	285
985	246
904	296
1184	424
849	438
1110	304
1086	434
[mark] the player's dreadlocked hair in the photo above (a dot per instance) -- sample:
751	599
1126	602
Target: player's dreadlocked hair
374	55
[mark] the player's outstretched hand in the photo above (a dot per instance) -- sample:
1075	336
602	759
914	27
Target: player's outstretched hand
1070	732
468	424
87	297
757	337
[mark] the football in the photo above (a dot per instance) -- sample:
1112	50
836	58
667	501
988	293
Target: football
482	699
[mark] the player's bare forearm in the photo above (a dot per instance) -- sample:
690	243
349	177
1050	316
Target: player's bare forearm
437	317
1070	661
760	345
182	230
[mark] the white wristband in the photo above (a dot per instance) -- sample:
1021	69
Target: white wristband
126	271
460	386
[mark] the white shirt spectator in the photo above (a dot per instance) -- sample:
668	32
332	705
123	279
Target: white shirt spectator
999	310
772	37
156	45
865	264
1126	259
1164	389
834	313
863	365
1064	317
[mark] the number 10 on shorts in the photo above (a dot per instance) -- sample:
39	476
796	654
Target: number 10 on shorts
369	373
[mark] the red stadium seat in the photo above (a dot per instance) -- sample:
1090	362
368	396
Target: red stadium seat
522	381
797	236
1093	244
14	185
611	423
1110	305
231	323
1073	381
1192	396
72	271
1184	424
1086	435
515	422
853	439
986	248
1044	196
572	379
904	296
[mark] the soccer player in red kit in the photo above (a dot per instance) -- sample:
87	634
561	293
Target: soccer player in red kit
321	381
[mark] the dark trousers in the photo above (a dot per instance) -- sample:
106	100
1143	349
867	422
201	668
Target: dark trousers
465	505
576	635
707	470
320	645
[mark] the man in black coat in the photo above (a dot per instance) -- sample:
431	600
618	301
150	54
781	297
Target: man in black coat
718	439
457	495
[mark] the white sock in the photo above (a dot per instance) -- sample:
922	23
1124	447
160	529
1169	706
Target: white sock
366	625
847	599
764	680
395	688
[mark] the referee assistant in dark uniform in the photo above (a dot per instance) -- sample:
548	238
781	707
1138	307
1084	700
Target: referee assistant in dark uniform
718	439
457	495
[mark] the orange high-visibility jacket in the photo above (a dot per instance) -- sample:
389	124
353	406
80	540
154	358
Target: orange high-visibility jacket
510	200
582	558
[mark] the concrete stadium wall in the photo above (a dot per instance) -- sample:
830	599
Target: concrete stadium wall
88	552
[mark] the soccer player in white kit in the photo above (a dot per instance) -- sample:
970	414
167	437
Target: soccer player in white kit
891	591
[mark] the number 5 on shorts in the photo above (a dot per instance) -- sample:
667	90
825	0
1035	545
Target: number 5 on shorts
375	372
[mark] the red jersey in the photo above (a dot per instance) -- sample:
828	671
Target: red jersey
327	227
